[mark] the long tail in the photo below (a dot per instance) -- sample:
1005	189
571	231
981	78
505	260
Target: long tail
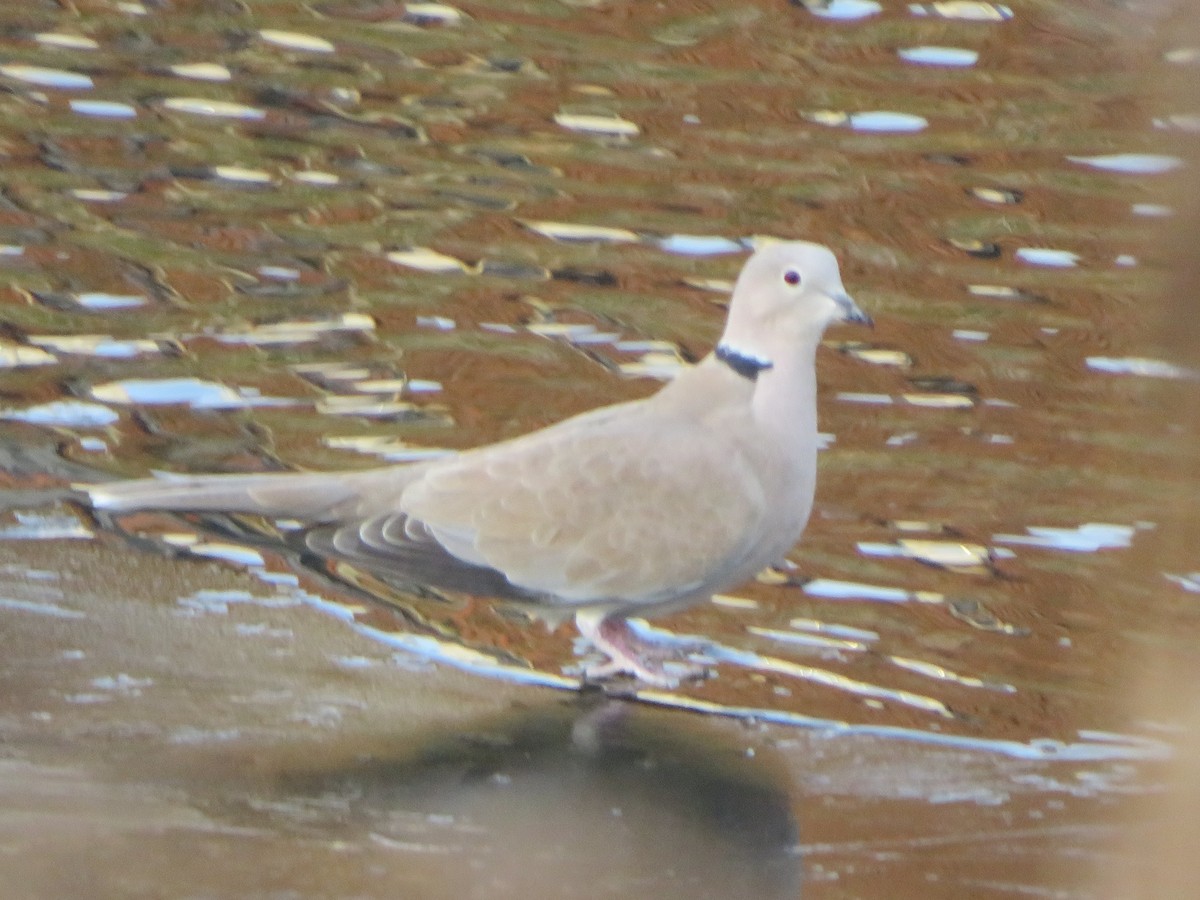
308	495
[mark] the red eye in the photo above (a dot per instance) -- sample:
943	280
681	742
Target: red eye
791	276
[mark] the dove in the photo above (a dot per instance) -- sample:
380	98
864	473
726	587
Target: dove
627	511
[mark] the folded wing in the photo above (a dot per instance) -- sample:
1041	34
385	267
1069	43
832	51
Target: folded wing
608	511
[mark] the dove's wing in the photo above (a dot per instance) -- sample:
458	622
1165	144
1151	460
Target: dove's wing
614	506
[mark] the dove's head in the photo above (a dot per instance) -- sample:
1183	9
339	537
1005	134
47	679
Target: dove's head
787	294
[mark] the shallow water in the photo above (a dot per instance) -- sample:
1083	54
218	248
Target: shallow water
235	238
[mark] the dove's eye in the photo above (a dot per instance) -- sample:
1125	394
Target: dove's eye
792	277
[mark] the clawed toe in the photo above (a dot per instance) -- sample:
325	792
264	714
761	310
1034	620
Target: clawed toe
662	665
668	674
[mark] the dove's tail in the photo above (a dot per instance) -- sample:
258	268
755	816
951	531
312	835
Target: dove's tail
308	495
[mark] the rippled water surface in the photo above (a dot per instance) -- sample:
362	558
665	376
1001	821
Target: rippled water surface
245	236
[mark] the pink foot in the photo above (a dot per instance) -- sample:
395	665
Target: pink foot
663	665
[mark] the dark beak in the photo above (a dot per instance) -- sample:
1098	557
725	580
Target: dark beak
851	312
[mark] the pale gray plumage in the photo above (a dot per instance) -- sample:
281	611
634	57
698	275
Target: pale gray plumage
631	509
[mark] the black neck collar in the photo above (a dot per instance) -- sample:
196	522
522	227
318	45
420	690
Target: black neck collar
744	364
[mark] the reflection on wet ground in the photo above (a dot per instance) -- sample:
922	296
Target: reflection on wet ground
329	236
225	744
541	798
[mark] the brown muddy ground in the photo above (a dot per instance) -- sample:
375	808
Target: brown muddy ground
356	233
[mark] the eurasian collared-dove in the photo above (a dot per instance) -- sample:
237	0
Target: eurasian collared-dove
633	509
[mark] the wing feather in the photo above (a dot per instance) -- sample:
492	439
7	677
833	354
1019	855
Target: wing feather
394	546
623	505
619	513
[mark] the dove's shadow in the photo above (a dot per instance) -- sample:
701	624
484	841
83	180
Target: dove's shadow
586	798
